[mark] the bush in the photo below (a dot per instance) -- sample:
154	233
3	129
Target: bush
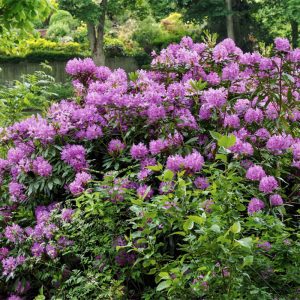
176	183
58	30
113	47
40	50
31	95
151	35
61	16
62	24
148	33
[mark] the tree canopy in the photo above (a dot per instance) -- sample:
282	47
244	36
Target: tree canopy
22	13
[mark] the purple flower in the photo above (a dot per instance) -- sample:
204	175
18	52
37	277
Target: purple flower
16	191
193	162
230	72
10	263
14	297
278	143
74	155
64	242
207	205
255	173
294	56
51	251
265	246
232	121
81	67
205	112
115	147
213	78
175	163
123	258
242	105
253	116
255	205
262	133
158	146
67	214
215	97
296	151
243	148
201	183
4	165
22	287
155	113
220	53
77	186
41	167
14	233
3	252
139	151
276	200
166	187
37	249
145	191
268	184
282	44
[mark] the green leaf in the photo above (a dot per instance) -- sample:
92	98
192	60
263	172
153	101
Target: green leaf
50	185
164	275
188	225
197	219
215	135
182	233
168	175
156	168
227	141
236	227
221	157
248	260
216	228
245	242
163	285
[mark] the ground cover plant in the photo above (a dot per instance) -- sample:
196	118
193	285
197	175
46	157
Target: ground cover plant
181	182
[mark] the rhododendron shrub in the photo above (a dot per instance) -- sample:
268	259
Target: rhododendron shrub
178	182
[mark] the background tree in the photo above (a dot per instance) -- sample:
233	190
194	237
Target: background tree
279	18
229	18
21	14
94	14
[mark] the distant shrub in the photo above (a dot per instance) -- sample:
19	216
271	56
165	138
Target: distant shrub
113	47
61	16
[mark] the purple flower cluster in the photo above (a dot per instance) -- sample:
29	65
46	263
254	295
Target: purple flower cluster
78	185
139	151
42	167
267	184
191	163
74	155
115	147
10	263
255	205
255	173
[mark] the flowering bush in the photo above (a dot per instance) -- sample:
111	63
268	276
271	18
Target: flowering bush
176	183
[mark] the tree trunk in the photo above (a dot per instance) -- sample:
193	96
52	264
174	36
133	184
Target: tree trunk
229	20
295	33
96	37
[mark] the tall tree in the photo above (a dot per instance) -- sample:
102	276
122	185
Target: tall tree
280	17
21	14
293	14
94	13
229	18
